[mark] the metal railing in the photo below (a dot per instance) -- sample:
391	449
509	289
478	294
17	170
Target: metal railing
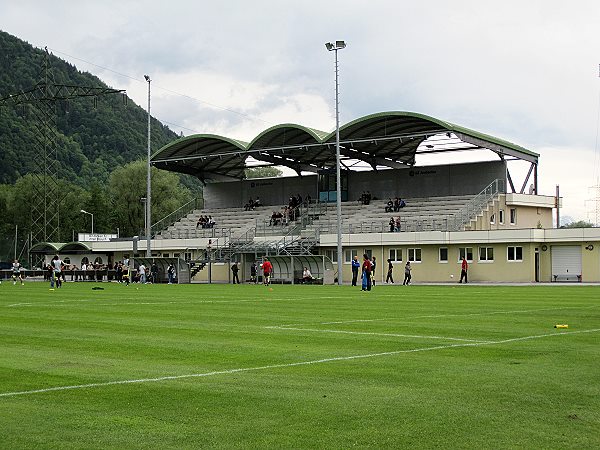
178	214
476	205
194	233
303	214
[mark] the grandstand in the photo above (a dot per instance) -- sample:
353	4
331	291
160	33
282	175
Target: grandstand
474	209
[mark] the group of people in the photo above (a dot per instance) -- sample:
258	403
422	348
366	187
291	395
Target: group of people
368	267
395	224
290	211
252	204
365	198
205	222
394	205
267	269
55	272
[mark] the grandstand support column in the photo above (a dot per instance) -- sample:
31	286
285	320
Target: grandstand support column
334	47
148	181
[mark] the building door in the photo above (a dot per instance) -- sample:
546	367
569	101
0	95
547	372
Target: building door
328	185
566	260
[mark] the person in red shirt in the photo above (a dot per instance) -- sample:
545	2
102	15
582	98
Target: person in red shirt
267	270
366	273
463	270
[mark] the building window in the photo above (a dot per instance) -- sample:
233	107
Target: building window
369	252
98	260
493	219
176	255
67	260
515	253
513	216
165	255
444	254
332	255
486	254
396	254
187	256
349	255
501	216
414	254
465	252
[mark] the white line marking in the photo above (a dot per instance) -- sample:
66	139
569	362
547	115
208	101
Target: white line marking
117	303
433	316
316	330
296	364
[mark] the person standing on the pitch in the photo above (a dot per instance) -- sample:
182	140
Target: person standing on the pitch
17	270
253	272
366	273
267	271
56	272
235	269
355	267
390	276
407	275
373	266
464	268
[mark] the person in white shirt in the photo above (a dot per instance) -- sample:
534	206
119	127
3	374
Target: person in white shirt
306	275
56	272
142	273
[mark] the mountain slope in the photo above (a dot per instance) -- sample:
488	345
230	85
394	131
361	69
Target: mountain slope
94	137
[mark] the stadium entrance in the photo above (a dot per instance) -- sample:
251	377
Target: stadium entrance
328	185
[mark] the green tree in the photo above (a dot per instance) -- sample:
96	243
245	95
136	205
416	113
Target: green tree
263	172
579	224
127	186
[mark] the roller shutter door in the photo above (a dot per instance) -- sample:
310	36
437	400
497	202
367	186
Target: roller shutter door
566	260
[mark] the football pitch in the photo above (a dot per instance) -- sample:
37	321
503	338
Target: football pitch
245	366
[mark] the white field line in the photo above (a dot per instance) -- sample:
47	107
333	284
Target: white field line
433	316
296	364
117	303
316	330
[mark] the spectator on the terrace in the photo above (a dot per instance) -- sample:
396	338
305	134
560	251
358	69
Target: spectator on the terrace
298	199
250	205
396	204
211	223
273	219
397	228
199	223
392	225
256	203
365	198
389	207
402	203
307	200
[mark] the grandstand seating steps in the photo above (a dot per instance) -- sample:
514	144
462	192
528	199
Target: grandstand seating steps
239	221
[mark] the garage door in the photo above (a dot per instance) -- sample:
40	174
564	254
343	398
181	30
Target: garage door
566	260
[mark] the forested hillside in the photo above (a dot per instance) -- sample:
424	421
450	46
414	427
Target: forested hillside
95	137
101	148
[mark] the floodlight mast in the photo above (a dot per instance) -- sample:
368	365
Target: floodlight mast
85	212
339	45
148	181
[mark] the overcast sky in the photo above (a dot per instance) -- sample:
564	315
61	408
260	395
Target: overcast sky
523	70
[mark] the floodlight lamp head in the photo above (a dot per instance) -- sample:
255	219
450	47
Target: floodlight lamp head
147	78
340	45
84	211
329	46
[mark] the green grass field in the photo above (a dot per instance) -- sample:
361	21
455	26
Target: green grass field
299	367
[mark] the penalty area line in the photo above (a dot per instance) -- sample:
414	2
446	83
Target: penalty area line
281	366
368	333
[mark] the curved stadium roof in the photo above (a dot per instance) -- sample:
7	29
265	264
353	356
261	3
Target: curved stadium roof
387	139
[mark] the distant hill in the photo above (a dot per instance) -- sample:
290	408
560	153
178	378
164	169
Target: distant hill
94	139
